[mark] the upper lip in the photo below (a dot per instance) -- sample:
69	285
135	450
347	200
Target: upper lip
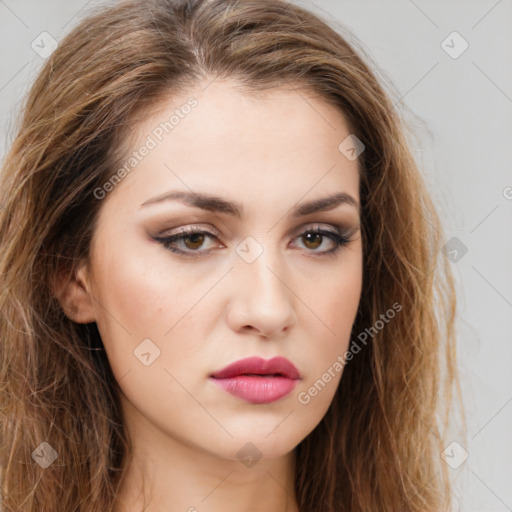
259	366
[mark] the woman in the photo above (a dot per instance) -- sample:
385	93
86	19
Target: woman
222	284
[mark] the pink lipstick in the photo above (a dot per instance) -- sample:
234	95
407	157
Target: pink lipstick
258	381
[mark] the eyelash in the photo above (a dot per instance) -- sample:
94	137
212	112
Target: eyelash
166	241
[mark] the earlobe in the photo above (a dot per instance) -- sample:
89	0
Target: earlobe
74	295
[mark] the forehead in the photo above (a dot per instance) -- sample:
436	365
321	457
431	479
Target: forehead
218	139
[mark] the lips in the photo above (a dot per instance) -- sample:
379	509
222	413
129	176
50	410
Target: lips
277	366
258	381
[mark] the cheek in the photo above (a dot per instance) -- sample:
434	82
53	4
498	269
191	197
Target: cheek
335	302
334	307
146	297
129	293
142	291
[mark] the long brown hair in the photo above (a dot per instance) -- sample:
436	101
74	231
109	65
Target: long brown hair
379	445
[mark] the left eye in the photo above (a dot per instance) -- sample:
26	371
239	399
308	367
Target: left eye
193	240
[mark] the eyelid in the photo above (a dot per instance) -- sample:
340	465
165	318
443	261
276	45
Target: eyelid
188	229
319	226
338	229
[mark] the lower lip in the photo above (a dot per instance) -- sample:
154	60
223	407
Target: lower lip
257	390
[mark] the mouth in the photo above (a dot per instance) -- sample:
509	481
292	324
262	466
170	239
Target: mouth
258	381
277	366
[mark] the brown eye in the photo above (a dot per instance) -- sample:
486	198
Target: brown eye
196	239
314	240
186	242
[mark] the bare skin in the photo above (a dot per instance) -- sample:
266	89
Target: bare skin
269	153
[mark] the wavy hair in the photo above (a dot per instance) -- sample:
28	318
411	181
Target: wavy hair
378	447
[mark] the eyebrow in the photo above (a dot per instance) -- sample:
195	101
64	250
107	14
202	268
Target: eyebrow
214	203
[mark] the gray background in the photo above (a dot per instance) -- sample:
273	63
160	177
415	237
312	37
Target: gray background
461	112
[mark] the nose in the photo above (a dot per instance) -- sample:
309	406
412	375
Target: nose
263	299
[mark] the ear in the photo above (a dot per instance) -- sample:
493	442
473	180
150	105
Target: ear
74	294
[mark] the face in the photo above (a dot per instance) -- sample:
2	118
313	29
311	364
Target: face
180	291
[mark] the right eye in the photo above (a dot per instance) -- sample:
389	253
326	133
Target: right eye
190	239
